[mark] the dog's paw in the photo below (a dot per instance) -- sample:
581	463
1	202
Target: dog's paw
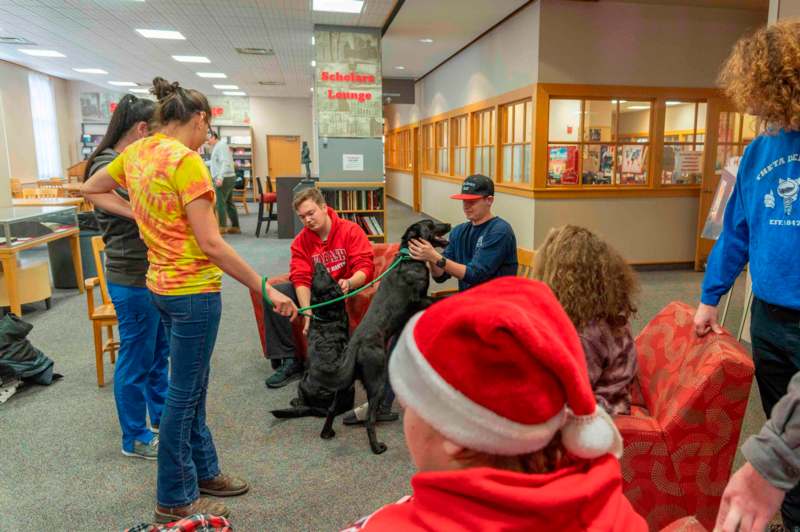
327	434
379	448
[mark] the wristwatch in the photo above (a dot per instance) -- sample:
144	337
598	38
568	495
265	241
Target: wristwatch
441	262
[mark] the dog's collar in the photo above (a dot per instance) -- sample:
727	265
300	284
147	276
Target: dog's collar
404	252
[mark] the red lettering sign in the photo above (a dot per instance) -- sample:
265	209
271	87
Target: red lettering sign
217	111
349	77
112	106
360	97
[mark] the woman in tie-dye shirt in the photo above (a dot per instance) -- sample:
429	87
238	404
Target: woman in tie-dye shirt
172	198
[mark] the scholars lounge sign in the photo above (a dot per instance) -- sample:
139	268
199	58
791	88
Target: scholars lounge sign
348	83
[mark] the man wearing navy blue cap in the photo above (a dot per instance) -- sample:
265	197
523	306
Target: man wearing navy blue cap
480	249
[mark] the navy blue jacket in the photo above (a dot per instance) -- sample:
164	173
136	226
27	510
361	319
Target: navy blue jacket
761	225
488	250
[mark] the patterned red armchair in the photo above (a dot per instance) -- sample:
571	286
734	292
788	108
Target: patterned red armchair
681	436
356	305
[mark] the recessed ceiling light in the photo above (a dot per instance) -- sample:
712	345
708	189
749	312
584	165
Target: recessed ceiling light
339	6
90	70
161	34
227	87
234	93
140	91
191	58
674	103
399	67
312	89
426	41
211	75
313	63
638	107
122	83
313	41
36	52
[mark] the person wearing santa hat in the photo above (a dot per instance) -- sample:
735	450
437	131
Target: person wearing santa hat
501	421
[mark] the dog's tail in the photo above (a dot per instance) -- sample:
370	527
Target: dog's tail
298	411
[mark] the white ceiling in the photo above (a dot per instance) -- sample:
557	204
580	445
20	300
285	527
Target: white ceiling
450	23
100	34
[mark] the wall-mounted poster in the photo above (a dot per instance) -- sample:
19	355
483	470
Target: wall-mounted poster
633	159
562	165
230	110
713	226
90	106
348	83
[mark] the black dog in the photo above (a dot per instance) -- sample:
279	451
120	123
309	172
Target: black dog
401	294
328	335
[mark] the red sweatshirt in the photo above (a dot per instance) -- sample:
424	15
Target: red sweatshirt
346	251
584	497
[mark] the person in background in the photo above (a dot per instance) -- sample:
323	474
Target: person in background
761	223
480	249
340	245
140	373
223	172
501	422
172	200
596	287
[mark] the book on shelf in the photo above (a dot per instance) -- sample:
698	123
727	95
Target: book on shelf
369	224
354	200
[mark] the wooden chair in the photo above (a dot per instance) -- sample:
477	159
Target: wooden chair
265	198
102	316
241	196
16	188
524	269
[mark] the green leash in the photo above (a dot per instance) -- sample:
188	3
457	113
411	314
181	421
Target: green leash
402	255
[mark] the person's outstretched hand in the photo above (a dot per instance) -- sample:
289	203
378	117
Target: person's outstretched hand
748	503
282	304
705	320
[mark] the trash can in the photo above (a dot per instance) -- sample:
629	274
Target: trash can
60	252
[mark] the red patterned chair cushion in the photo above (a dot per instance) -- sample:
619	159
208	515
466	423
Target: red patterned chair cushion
681	436
356	305
687	524
269	197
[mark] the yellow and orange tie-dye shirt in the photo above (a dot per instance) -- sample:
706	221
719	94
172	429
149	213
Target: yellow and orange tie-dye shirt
162	176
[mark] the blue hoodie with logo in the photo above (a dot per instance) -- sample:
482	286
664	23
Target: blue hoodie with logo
761	225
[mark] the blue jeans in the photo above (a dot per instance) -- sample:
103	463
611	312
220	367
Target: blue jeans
186	452
140	374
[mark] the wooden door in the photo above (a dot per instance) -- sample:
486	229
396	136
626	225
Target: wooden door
416	169
283	157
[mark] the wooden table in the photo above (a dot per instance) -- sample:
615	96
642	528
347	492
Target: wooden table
50	202
8	258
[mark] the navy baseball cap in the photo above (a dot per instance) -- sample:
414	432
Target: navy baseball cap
475	187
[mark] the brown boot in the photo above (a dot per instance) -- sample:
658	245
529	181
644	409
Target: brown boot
223	230
234	231
202	505
223	486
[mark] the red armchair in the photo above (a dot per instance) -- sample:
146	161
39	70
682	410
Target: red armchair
681	436
356	305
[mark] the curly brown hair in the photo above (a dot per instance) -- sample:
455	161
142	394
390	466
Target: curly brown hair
590	279
762	75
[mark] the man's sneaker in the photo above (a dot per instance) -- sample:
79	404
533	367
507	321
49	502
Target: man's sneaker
289	370
148	451
358	415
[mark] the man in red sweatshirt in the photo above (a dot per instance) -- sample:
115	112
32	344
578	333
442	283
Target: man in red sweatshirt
342	246
501	421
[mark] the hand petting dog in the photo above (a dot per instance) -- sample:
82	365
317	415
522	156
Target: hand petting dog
423	250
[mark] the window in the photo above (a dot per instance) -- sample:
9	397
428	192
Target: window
442	154
516	140
428	149
45	126
408	150
598	142
684	139
735	132
460	146
484	136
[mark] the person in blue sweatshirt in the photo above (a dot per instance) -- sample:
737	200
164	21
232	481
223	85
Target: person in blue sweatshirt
481	249
761	226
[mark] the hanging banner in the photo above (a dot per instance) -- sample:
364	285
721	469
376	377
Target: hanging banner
348	83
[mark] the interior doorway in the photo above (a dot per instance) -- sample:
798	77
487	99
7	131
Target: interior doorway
283	156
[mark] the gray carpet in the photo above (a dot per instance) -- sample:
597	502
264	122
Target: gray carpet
62	468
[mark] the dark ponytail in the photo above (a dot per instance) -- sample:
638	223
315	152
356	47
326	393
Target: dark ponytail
129	112
176	103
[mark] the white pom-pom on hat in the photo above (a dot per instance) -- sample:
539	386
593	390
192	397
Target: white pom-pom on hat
591	436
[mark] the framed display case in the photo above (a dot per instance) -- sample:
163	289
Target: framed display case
29	225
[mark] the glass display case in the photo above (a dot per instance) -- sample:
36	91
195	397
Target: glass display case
21	225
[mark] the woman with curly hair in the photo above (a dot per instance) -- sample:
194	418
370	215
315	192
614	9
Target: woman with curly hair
595	286
761	226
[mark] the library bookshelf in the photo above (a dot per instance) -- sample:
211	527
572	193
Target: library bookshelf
362	202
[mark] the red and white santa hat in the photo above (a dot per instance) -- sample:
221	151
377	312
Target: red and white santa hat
500	369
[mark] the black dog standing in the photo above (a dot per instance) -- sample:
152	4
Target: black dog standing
328	335
401	294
